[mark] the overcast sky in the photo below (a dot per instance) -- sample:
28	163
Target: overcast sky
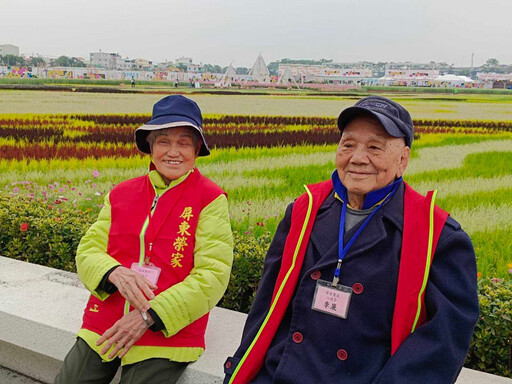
221	31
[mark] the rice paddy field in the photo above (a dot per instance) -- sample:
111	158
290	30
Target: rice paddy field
69	149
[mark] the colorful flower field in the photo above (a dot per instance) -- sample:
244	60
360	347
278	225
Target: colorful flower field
56	170
71	161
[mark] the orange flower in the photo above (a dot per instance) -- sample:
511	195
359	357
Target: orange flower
479	275
23	227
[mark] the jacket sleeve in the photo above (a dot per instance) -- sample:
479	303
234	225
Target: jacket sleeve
92	259
435	352
187	301
262	301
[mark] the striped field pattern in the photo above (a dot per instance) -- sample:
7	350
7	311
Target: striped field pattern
263	163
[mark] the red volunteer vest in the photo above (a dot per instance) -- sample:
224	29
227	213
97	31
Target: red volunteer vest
416	257
171	230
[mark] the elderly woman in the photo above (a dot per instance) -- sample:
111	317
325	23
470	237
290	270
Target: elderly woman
156	261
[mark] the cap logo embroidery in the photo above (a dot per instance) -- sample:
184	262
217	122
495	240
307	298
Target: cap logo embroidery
374	104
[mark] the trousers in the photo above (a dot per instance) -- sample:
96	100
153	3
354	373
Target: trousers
82	365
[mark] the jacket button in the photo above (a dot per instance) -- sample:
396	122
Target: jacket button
342	354
316	275
357	288
228	364
297	337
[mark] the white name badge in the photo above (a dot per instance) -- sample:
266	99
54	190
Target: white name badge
331	300
150	272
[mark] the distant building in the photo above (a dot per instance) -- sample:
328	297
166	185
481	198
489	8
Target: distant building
410	77
194	68
125	64
9	49
495	80
143	64
184	60
104	59
111	61
166	65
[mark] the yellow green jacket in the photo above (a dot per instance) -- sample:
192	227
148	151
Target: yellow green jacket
213	254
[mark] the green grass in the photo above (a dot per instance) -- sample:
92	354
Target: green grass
462	201
484	165
497	248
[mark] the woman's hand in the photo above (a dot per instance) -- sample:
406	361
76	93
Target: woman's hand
123	334
133	287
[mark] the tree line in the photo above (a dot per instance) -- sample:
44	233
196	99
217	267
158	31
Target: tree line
20	61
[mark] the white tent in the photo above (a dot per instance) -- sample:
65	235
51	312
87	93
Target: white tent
451	80
467	79
287	78
228	77
259	71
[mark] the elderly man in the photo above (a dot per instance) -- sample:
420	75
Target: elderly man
156	261
366	281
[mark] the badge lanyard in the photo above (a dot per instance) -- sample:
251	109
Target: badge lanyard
149	228
343	250
151	233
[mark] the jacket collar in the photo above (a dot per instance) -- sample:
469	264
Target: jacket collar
326	228
159	184
372	198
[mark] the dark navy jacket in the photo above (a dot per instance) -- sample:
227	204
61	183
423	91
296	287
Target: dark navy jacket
313	347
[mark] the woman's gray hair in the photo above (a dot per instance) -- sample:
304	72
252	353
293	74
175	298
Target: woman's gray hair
152	135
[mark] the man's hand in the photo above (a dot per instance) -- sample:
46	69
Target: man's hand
133	287
123	334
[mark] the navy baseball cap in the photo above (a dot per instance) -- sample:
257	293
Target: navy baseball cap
393	117
170	112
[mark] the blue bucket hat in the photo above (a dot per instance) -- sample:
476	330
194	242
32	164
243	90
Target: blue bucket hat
393	117
170	112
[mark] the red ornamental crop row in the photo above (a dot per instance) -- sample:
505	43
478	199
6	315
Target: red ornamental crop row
272	139
68	150
125	136
271	120
466	131
140	119
48	151
38	151
126	119
34	120
501	125
227	119
32	134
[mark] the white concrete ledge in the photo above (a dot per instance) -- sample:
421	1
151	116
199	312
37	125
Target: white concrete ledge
41	311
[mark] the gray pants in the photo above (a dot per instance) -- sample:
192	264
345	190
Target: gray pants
82	365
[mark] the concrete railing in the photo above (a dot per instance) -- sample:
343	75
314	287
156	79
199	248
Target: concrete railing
41	310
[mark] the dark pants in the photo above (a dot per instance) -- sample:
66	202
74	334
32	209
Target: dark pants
82	365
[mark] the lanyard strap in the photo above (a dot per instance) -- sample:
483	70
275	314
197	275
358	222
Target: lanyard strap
151	232
343	250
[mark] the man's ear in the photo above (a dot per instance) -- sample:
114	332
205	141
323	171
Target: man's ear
405	154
